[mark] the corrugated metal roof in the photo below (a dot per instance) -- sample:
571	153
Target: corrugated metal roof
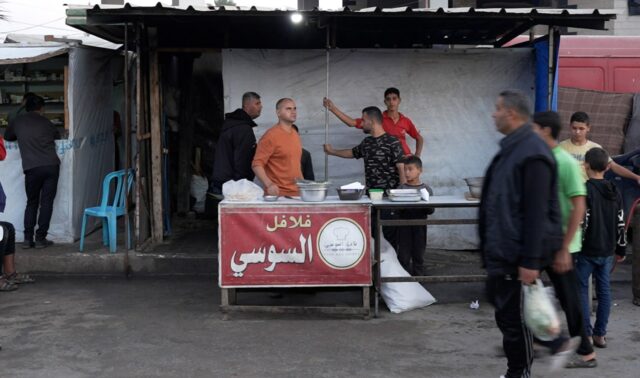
18	53
252	27
213	8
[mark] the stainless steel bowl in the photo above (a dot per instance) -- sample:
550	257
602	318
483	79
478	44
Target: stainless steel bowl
313	194
268	198
475	186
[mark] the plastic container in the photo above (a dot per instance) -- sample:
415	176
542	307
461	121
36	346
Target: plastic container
376	194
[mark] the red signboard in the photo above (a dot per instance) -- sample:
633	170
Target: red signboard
294	245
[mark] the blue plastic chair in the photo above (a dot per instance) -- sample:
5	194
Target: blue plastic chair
110	210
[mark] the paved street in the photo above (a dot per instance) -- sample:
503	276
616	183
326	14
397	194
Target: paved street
170	327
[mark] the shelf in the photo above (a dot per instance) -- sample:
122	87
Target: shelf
46	102
5	82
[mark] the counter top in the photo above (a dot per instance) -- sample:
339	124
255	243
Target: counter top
435	201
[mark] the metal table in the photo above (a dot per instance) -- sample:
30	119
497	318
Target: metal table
434	202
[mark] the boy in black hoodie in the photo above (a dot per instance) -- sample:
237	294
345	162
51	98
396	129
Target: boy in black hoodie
603	234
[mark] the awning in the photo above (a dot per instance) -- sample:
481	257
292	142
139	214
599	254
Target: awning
17	53
242	27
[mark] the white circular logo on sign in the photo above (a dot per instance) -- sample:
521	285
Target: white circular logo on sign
341	243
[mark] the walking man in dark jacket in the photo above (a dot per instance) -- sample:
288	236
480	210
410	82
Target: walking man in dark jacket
520	223
236	144
36	137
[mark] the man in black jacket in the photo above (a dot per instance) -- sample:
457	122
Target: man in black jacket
36	137
520	223
236	144
306	164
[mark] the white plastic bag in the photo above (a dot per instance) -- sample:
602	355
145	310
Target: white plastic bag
199	186
241	190
540	316
400	296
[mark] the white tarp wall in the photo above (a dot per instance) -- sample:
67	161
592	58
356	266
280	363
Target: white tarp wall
448	94
12	179
85	157
91	111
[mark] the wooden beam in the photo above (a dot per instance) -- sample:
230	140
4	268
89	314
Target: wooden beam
157	230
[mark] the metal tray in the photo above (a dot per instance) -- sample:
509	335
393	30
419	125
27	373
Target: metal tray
405	198
403	192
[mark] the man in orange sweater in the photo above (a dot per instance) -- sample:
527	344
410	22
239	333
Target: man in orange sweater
277	159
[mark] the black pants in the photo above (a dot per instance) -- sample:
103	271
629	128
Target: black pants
41	184
566	288
8	243
388	232
412	241
505	293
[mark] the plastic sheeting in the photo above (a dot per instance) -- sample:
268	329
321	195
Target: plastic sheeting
91	113
541	47
449	95
12	179
85	157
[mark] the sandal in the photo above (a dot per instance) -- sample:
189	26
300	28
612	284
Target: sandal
5	285
19	278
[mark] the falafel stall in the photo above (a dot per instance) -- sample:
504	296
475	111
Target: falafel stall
315	242
292	243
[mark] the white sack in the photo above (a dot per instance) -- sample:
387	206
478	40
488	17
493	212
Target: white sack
400	296
241	190
199	186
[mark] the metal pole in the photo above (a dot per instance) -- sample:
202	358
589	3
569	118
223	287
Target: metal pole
550	68
326	113
127	147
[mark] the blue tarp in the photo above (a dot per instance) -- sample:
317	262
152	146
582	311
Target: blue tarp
541	47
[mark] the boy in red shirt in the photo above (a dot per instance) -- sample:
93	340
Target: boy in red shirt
394	123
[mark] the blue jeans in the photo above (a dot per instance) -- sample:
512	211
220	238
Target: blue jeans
600	267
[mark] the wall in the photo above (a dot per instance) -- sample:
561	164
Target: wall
449	95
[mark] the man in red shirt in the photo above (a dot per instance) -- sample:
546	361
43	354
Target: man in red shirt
393	122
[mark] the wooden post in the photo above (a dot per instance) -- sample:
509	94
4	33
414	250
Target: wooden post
155	111
138	214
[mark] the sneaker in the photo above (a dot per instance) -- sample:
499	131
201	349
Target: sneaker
44	243
559	360
28	244
576	362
